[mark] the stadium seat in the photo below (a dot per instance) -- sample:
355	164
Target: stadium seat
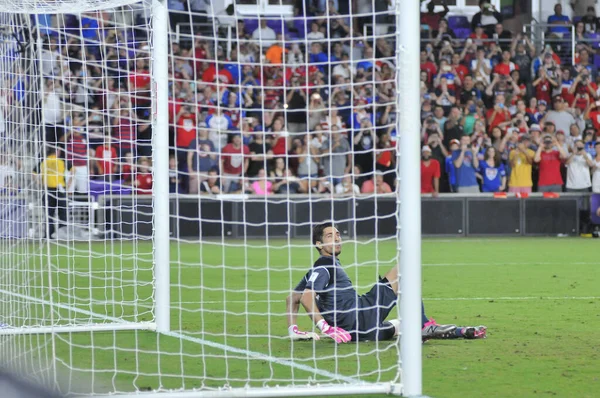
594	39
462	33
458	22
302	26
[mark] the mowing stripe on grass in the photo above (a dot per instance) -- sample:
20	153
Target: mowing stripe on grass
264	357
251	354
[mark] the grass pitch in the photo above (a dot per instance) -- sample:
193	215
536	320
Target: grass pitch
539	298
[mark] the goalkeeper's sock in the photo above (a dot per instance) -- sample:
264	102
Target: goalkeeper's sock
396	324
424	318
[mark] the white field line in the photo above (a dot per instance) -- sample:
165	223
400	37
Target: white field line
250	354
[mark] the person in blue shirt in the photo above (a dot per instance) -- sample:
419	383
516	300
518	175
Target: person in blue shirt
492	172
466	163
559	21
449	165
317	56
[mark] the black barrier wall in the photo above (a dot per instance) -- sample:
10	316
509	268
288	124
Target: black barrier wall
209	217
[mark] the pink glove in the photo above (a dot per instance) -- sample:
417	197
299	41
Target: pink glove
296	334
338	334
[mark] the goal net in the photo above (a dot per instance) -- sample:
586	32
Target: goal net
160	175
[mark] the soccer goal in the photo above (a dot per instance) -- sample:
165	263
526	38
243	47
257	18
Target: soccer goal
161	170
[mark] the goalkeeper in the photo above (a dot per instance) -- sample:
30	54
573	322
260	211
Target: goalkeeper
327	295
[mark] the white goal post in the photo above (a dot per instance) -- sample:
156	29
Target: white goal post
110	287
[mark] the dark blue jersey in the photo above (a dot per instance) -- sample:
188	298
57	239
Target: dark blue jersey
336	298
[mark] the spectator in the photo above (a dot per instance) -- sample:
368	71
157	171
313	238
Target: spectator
210	186
308	165
275	52
315	33
105	157
590	20
376	185
521	160
286	182
174	178
427	64
260	154
52	172
125	133
550	156
201	158
430	173
185	132
492	172
78	156
560	116
478	37
469	92
347	187
218	124
498	116
481	66
453	128
444	37
53	115
234	163
559	21
264	35
506	66
430	20
385	158
143	178
449	168
8	172
337	156
466	163
262	186
579	164
596	170
502	37
488	17
522	53
363	146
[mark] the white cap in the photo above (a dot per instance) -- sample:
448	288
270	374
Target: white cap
426	148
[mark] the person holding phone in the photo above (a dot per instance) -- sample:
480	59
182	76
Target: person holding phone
521	161
579	164
550	156
492	172
466	163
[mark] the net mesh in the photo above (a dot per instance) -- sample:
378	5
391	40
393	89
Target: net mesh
275	123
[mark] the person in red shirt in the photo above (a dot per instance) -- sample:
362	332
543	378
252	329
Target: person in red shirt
234	160
499	114
105	157
430	173
550	155
186	127
544	86
479	37
428	66
593	113
459	69
432	18
506	66
143	178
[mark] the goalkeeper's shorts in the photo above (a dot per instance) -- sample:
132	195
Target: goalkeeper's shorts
374	307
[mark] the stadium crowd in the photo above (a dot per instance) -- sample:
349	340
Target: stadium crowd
308	105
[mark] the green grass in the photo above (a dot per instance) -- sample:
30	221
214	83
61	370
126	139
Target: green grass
538	297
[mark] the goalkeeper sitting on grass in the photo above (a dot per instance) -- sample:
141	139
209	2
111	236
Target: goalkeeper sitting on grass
327	295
